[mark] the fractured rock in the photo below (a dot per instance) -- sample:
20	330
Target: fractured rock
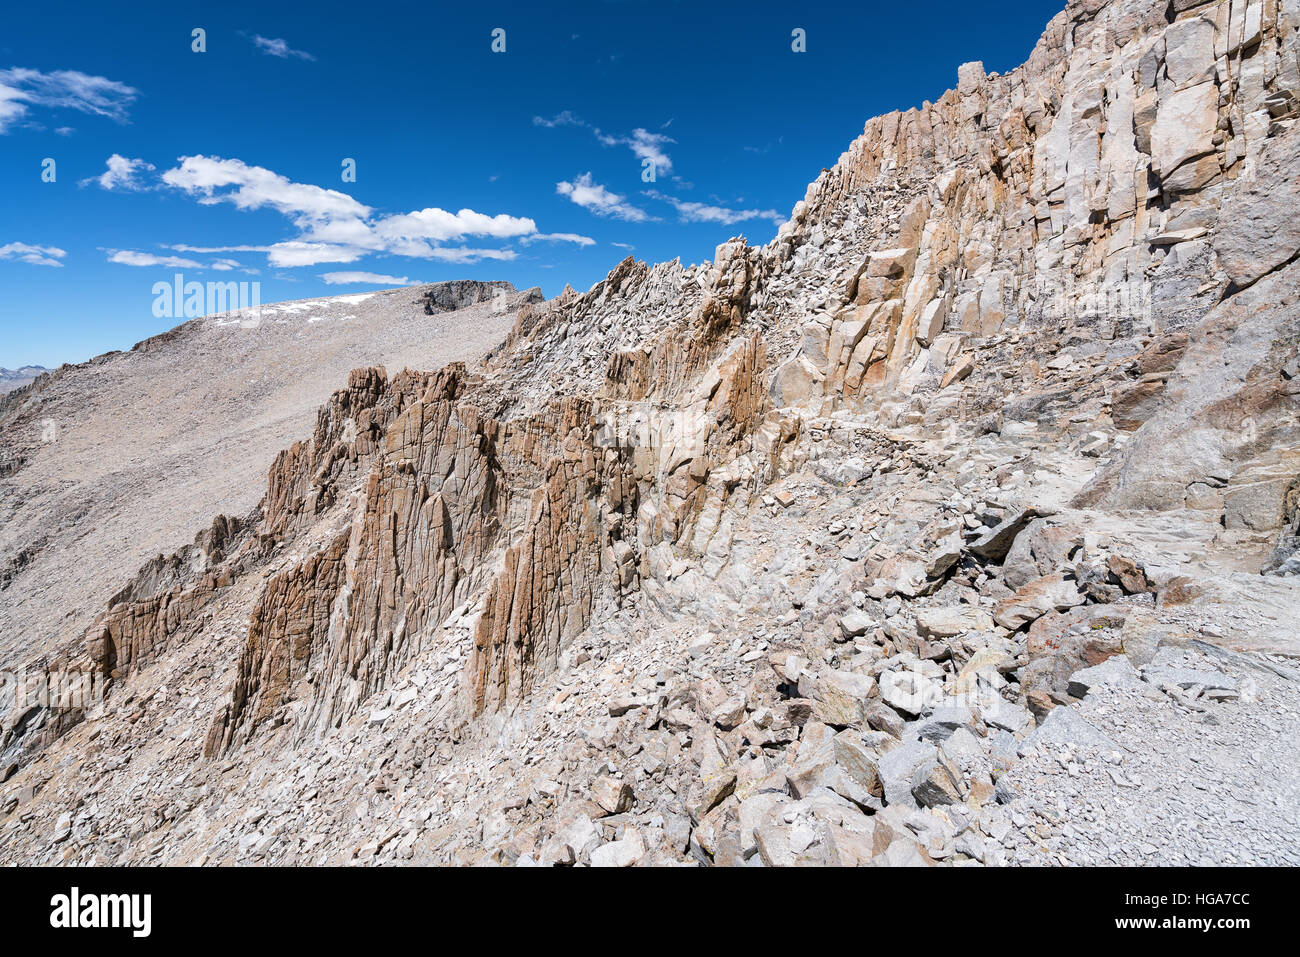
1038	598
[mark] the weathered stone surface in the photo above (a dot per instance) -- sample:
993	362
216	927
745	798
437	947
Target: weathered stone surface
1114	672
856	624
1038	598
841	698
1260	222
933	786
621	853
996	542
1130	575
1189	51
951	622
613	795
898	768
1041	549
909	691
1184	126
1064	726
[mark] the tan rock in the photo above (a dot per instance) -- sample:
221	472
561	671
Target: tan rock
613	794
1184	126
1038	598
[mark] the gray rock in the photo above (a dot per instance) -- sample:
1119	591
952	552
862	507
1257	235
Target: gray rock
612	794
994	544
1002	752
951	622
856	623
1064	725
997	712
1038	598
621	853
897	767
840	698
939	724
1114	672
909	691
884	718
1258	226
933	786
1186	678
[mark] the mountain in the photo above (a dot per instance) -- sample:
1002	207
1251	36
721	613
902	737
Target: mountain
11	379
113	462
958	524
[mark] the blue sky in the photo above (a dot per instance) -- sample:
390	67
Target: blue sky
525	165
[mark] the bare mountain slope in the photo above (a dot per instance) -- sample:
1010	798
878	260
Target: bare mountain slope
959	523
109	463
11	379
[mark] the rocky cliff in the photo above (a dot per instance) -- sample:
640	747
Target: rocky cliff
115	462
826	551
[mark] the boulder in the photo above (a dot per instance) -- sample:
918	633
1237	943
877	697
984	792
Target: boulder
933	785
909	691
856	623
1114	672
612	794
1065	726
1041	549
994	544
1129	575
951	622
1038	598
620	853
841	698
897	768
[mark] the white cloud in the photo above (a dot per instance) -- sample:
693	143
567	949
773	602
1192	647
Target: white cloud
10	107
564	118
279	48
690	212
645	145
335	228
21	89
294	253
374	278
310	207
413	234
182	248
594	197
559	238
132	257
36	255
135	257
464	255
121	174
